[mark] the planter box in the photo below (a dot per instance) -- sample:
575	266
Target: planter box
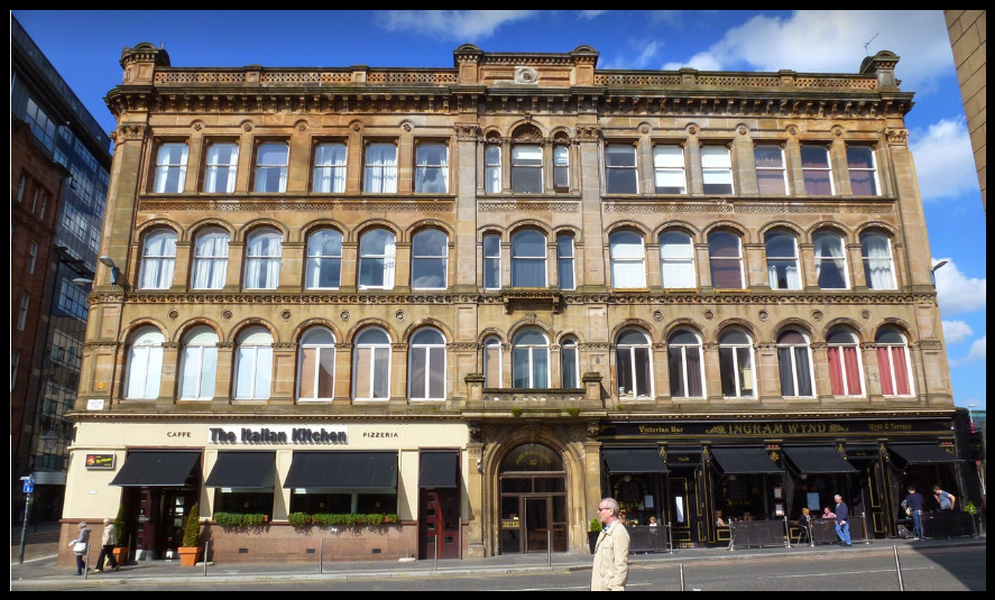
121	554
190	556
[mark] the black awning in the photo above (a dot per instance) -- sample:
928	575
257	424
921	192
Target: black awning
634	460
343	470
817	460
243	470
439	470
156	468
744	461
924	453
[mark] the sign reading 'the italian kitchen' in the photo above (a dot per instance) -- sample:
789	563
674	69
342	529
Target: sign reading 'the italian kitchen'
279	435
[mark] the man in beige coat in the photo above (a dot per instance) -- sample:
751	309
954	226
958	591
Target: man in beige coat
611	553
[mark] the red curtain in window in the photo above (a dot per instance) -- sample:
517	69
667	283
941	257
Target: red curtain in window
853	383
884	367
899	362
892	364
836	372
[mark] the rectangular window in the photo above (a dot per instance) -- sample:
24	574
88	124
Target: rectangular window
561	168
32	257
381	169
526	169
329	168
565	261
492	262
716	170
22	183
34	199
44	206
431	168
816	171
863	173
620	169
771	176
271	167
170	168
492	169
668	170
15	361
41	125
22	315
221	165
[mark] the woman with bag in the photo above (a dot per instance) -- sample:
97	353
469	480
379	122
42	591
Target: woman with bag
80	545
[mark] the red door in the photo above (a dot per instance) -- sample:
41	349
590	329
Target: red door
438	524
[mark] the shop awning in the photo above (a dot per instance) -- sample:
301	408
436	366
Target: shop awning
343	470
924	453
818	460
243	470
439	470
156	469
634	460
744	461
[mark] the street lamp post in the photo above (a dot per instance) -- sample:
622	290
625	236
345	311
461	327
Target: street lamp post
29	488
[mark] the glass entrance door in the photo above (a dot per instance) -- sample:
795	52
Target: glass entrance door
537	519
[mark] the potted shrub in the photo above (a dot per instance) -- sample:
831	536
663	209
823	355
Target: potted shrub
593	531
121	544
191	551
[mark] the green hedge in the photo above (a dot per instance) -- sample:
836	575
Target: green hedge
227	519
303	520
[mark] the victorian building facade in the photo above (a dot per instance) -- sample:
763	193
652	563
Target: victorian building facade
474	300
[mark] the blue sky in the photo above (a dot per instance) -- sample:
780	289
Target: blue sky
85	46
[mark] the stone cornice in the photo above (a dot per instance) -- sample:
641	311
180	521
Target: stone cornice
195	203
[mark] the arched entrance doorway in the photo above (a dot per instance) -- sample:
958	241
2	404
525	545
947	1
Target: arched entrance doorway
533	492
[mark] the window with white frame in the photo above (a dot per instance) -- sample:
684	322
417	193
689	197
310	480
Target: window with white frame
263	255
782	261
492	262
158	260
492	363
687	370
144	364
329	168
561	168
830	260
530	360
324	260
677	260
526	169
794	364
171	168
15	361
894	362
22	313
620	169
528	259
272	160
845	363
736	370
380	175
221	165
492	169
627	260
210	259
371	365
816	170
199	364
32	256
668	169
565	261
633	365
254	364
431	168
725	258
772	178
429	260
863	171
316	365
716	170
376	260
879	270
427	365
569	363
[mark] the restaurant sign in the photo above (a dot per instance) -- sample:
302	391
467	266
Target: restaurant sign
279	434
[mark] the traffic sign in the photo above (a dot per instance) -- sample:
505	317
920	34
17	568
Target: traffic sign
29	485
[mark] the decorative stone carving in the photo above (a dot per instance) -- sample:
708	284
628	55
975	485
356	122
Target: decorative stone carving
399	316
173	314
345	315
285	315
226	314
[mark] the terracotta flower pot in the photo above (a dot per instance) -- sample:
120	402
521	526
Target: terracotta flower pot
190	556
121	554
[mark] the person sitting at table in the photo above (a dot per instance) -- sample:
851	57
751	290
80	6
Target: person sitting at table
806	516
828	514
719	521
747	517
652	522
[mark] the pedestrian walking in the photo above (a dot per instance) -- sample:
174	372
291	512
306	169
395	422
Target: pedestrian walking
611	553
843	521
107	541
81	546
913	504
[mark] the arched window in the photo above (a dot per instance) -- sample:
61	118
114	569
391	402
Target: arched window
633	366
794	362
726	259
324	260
677	260
845	368
429	260
830	260
371	365
199	364
158	259
144	364
492	363
736	364
627	256
253	364
427	365
879	270
687	370
528	259
376	260
210	260
894	362
263	253
316	365
569	364
782	261
530	360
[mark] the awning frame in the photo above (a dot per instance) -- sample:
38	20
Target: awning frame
805	457
737	465
156	468
633	459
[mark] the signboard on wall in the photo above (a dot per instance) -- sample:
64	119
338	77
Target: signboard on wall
100	462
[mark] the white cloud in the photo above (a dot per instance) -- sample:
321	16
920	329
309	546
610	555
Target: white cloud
977	353
955	332
958	293
459	25
944	160
590	14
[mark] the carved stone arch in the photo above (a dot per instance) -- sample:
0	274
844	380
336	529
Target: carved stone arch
426	322
491	332
211	223
901	324
158	224
527	131
302	328
726	225
633	323
834	226
682	226
628	225
508	439
250	322
198	321
527	223
793	323
313	226
131	328
682	323
880	226
847	322
376	224
567	333
429	223
350	336
735	323
492	135
530	322
256	224
780	225
561	136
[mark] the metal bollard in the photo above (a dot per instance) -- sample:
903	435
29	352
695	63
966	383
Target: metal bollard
787	532
321	554
549	548
207	551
